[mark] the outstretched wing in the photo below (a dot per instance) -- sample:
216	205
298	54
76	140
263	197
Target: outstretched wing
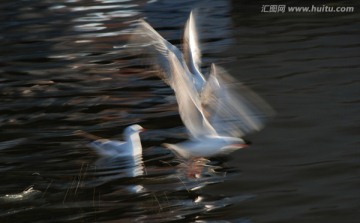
175	72
191	50
231	108
150	41
188	101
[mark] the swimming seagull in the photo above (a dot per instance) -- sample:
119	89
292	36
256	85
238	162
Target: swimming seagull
130	151
131	147
216	110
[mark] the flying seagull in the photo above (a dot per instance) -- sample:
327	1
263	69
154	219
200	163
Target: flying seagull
215	109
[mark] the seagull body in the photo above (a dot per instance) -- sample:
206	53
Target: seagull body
216	110
113	148
213	146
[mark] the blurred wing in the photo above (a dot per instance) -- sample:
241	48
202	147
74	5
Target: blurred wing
175	72
232	108
152	42
189	101
191	49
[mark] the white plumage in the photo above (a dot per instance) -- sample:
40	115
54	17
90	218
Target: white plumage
216	110
131	147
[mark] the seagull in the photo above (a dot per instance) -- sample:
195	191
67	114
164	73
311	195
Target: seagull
114	148
216	109
129	151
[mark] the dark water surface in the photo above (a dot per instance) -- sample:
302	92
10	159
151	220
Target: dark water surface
63	67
